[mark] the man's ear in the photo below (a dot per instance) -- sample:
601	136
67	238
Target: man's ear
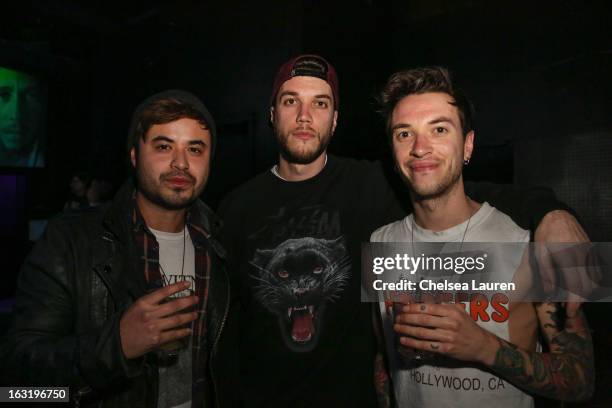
468	145
335	122
133	156
271	114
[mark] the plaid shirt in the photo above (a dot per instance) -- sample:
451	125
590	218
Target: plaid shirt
148	258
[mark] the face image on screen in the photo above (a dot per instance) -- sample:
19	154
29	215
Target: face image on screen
22	119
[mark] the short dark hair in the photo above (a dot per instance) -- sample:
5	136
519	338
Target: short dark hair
423	80
159	112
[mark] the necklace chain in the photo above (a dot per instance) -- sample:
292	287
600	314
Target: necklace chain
161	268
418	294
462	239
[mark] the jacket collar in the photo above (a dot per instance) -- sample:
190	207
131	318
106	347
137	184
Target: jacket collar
119	225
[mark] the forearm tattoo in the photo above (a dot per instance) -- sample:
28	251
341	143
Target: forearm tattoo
381	382
565	373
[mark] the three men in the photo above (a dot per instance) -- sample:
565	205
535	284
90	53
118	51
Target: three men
293	236
94	307
429	122
90	312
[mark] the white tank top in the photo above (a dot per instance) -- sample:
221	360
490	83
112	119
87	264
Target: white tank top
454	383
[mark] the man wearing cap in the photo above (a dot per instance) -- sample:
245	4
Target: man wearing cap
293	236
94	307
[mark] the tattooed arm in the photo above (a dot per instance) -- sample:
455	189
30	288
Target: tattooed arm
566	372
381	374
381	382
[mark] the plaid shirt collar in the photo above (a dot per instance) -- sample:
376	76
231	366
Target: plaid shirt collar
194	221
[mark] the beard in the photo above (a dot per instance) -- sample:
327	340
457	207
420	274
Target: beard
434	190
303	154
169	199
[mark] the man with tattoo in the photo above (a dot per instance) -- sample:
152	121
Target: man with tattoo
293	236
480	357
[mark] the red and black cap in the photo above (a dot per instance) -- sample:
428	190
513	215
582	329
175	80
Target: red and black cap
306	65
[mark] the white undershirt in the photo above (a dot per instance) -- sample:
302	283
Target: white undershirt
172	245
174	390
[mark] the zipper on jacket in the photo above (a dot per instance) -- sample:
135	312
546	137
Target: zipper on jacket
214	347
103	271
87	389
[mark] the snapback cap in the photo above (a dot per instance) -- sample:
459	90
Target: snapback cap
306	65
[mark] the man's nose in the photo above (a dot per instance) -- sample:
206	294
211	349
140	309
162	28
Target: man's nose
180	159
421	145
304	114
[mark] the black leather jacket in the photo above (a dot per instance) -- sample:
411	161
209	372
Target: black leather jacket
72	291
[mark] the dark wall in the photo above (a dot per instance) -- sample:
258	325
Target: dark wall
531	69
534	71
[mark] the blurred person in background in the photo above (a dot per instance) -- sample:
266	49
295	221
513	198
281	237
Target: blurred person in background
80	182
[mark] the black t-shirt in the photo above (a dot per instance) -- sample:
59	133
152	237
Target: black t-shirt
305	339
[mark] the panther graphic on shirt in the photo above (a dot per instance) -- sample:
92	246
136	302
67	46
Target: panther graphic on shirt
296	281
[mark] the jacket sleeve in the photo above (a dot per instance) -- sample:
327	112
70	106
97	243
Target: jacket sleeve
526	206
46	345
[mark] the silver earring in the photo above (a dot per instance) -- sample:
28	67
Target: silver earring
466	162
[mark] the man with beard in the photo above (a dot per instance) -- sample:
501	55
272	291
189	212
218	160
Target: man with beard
126	305
293	236
429	122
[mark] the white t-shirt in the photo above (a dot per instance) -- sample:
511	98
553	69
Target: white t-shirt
454	383
177	263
